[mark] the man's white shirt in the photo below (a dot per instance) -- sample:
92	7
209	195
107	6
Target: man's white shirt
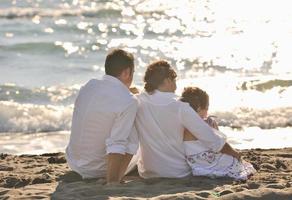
102	123
160	122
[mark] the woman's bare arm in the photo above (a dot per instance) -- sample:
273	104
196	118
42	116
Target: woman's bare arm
227	149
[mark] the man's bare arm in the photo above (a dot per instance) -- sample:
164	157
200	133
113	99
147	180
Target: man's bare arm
114	163
116	167
124	165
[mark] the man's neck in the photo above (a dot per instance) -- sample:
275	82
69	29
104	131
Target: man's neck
163	89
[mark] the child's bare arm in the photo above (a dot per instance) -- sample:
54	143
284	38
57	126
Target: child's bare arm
212	122
227	149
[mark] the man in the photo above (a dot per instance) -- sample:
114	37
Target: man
103	138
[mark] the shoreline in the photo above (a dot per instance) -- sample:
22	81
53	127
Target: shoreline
48	176
56	141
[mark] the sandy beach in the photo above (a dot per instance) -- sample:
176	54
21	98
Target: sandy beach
48	176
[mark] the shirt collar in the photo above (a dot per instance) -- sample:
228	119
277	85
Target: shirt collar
168	95
160	98
115	81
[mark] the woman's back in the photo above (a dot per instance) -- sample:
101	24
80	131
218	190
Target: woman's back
161	136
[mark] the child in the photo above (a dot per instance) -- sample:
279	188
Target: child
202	160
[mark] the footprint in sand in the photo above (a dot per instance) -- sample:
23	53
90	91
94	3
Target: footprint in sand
15	182
56	160
268	166
206	194
224	192
5	168
275	186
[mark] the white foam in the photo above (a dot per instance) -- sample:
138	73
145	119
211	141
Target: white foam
254	137
39	143
15	117
249	117
233	107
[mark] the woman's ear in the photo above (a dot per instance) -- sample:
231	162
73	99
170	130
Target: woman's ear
199	109
167	81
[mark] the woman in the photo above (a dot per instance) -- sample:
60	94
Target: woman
161	120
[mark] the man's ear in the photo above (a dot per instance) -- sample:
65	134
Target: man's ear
126	73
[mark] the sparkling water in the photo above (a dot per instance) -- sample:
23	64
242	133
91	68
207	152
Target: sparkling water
238	51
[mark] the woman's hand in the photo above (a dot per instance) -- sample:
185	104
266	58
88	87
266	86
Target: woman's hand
134	90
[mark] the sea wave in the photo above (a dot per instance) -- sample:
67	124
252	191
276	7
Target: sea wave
37	47
250	117
58	95
33	118
261	85
17	12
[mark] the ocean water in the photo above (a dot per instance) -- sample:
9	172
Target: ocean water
240	54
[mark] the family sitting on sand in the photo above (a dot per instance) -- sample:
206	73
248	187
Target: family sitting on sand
172	136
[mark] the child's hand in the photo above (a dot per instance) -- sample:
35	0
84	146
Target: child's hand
227	149
236	155
212	122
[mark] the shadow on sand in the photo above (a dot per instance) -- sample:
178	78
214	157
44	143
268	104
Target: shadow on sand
71	186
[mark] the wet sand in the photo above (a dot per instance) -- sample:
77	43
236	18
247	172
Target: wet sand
48	176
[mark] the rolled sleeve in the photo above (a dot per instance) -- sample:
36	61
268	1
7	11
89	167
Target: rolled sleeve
121	130
114	146
212	138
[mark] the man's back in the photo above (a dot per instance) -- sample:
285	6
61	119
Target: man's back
99	105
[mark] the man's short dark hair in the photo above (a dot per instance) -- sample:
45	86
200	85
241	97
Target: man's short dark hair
117	61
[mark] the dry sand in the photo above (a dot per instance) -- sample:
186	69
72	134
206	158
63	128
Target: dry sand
48	176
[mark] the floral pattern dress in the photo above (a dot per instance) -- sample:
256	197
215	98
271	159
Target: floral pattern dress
205	162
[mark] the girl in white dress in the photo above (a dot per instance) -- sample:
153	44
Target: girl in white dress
202	160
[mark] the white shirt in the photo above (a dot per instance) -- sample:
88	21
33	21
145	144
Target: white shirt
160	123
103	119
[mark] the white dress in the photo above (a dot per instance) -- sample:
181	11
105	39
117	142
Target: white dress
205	162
